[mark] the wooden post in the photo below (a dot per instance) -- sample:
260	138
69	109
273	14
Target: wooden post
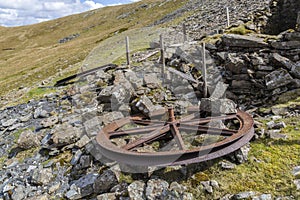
205	95
127	51
227	14
298	22
162	57
184	32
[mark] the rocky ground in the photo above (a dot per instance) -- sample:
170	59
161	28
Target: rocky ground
48	148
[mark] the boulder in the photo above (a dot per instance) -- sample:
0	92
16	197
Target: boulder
244	41
83	186
235	64
152	81
65	134
136	190
286	45
278	79
105	182
223	106
28	140
155	188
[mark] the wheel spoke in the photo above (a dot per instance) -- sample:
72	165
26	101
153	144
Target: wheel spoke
133	131
207	120
177	136
208	130
147	122
148	138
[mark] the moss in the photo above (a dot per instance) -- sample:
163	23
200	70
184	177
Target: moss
241	30
2	161
127	178
21	156
212	39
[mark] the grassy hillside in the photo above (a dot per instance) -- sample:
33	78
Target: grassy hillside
29	54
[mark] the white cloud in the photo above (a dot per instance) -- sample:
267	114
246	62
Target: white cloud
22	12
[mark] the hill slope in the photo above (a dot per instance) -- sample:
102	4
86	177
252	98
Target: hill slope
32	53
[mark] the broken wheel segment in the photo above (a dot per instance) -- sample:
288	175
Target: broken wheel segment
140	141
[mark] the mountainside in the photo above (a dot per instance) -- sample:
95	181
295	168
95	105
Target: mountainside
33	53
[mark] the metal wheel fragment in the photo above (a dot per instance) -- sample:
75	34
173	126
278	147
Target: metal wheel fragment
172	138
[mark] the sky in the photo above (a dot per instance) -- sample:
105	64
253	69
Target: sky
24	12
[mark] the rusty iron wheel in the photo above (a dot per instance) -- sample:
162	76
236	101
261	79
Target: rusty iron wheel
169	137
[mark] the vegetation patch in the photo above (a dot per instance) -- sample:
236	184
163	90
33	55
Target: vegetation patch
268	171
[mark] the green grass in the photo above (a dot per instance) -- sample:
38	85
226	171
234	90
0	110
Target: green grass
267	171
36	53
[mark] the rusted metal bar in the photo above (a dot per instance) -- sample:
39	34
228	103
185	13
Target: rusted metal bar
154	134
85	73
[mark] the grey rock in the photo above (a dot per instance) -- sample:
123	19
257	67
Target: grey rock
76	157
110	117
241	84
9	122
84	162
42	176
207	187
152	81
155	188
275	134
26	118
286	45
263	197
15	126
84	185
278	79
8	188
224	106
296	171
136	190
49	122
243	195
40	113
292	36
19	193
103	75
235	64
176	187
279	110
275	125
282	61
105	182
145	105
54	187
84	140
107	196
227	165
28	139
73	193
105	94
294	68
241	155
187	196
93	126
297	183
214	184
232	40
66	134
94	149
181	106
219	90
